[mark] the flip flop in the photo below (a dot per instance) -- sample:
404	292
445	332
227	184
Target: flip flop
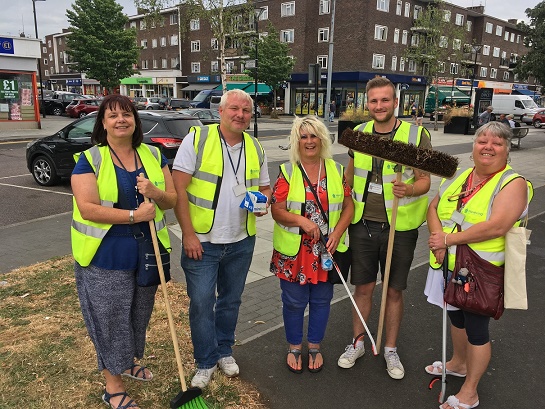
296	352
140	374
454	402
312	352
437	368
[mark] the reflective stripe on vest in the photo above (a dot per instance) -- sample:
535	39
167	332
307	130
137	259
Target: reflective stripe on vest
87	235
411	210
287	240
204	189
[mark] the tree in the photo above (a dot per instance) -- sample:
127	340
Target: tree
533	63
274	64
99	44
435	39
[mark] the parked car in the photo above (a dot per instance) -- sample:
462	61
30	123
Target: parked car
56	105
175	104
206	116
78	108
147	103
539	118
51	158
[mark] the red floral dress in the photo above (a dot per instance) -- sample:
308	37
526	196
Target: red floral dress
306	266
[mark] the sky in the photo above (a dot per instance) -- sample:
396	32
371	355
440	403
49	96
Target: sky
51	14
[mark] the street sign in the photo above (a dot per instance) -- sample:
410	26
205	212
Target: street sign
9	89
250	64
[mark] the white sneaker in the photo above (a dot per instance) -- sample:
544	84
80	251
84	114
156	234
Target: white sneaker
202	377
350	354
394	367
228	366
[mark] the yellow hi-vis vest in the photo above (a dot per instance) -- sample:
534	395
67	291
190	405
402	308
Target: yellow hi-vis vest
477	209
287	240
204	188
87	235
411	211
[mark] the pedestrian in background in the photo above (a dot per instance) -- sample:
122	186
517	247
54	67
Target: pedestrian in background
419	116
214	168
298	250
332	109
486	116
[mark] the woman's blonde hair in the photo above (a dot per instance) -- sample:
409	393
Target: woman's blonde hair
309	125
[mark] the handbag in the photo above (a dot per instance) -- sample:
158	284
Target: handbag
516	240
477	285
341	260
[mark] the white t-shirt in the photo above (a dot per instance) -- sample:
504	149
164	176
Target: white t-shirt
230	220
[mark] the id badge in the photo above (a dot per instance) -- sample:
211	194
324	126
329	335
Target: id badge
239	190
375	188
457	217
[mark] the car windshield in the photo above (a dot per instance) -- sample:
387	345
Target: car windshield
201	96
529	104
180	127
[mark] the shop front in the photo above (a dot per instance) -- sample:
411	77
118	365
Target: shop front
18	87
137	86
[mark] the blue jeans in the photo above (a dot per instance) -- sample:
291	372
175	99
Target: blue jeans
222	271
295	298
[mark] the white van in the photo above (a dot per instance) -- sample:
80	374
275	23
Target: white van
522	107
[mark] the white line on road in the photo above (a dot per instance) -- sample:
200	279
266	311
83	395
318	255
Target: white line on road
15	176
35	188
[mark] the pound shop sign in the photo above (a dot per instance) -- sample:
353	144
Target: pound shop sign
6	46
9	89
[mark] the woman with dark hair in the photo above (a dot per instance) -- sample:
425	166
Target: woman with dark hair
109	192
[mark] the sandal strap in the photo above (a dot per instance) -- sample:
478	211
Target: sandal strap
130	404
141	369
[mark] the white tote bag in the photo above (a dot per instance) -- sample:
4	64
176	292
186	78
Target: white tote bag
516	241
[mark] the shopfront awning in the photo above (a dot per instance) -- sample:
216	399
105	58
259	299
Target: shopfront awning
262	89
448	94
234	85
525	92
199	87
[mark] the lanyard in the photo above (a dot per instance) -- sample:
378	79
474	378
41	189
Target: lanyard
317	183
127	173
229	155
465	195
378	163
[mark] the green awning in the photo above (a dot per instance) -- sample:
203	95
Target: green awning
234	85
448	94
262	89
137	80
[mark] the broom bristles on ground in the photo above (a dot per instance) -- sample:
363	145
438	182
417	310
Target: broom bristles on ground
426	160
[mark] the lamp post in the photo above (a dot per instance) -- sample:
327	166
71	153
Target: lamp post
39	59
257	13
475	48
330	65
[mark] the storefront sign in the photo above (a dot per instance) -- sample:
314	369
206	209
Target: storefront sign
75	81
6	46
203	78
9	89
164	80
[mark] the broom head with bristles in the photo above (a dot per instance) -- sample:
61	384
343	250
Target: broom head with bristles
426	160
188	399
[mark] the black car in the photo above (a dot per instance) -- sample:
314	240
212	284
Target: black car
57	103
207	116
51	158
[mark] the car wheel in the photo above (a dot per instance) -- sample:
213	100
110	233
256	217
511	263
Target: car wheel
44	171
82	114
537	123
148	108
56	111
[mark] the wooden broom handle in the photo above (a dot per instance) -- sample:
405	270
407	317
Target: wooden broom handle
387	267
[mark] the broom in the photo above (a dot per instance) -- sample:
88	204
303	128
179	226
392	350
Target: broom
187	398
426	160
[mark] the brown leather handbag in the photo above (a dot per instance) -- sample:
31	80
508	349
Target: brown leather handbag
477	285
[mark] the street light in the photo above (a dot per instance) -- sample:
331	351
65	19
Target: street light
257	13
40	58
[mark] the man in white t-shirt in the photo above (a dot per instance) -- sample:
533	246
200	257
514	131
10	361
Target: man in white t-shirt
214	168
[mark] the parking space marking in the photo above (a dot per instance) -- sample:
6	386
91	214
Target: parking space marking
35	188
14	176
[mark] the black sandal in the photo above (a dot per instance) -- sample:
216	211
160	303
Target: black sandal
296	354
135	374
312	352
130	404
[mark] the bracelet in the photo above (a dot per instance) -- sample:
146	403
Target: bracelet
131	216
446	245
412	191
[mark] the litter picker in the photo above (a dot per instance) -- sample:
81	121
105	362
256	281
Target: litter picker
426	160
187	398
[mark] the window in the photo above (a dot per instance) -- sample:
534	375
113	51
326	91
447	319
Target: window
144	44
381	32
61	55
456	44
506	76
59	41
174	63
441	67
499	30
132	24
493	72
399	7
518	38
496	52
383	5
446	15
214	43
46	73
393	67
229	66
322	60
174	19
415	40
286	36
144	64
195	24
488	28
402	64
453	68
323	35
325	6
484	71
214	66
459	19
378	61
264	13
50	57
407	9
195	67
195	46
164	63
404	37
287	9
486	50
44	50
49	43
396	35
142	24
512	37
174	39
154	43
469	25
52	70
412	66
443	42
163	41
46	61
155	65
417	12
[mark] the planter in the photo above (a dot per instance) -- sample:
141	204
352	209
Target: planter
458	124
342	125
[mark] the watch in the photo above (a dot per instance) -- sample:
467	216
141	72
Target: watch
131	216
